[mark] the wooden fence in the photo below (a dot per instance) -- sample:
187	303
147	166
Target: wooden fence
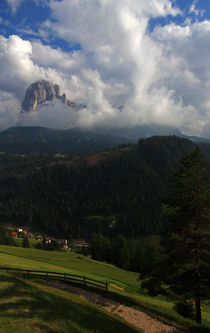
77	279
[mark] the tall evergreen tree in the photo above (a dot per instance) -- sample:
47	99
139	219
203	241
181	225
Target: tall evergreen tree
26	242
185	265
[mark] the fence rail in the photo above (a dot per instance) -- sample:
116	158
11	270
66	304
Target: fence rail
78	279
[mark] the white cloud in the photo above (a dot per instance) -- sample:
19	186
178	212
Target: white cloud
160	77
52	115
9	110
44	55
113	38
15	63
14	4
96	23
186	67
194	10
24	62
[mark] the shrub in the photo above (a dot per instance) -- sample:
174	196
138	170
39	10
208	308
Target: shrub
185	309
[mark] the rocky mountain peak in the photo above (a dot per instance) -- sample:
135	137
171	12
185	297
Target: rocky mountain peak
40	92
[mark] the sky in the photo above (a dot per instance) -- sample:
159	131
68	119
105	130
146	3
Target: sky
131	62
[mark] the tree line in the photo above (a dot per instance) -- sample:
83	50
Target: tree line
125	253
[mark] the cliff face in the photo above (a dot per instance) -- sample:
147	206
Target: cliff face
41	92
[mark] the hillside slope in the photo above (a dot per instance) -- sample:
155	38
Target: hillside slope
125	184
33	305
28	306
25	140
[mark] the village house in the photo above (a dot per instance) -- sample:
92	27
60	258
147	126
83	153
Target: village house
22	233
63	243
30	235
39	238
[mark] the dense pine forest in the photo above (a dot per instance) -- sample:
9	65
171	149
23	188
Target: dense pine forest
112	192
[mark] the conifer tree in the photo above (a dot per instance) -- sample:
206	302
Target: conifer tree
184	267
26	242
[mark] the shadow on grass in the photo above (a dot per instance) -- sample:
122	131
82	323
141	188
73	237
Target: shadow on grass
53	311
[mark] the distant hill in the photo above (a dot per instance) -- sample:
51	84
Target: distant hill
23	140
134	133
117	191
196	139
145	131
35	139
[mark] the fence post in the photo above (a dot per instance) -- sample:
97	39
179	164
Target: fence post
84	282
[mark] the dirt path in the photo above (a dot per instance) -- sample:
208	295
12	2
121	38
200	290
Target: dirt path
135	317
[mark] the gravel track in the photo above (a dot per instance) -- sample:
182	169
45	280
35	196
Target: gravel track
135	317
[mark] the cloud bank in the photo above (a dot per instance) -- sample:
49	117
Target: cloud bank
158	77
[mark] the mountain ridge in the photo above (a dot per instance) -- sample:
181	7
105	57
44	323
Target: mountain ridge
30	139
42	93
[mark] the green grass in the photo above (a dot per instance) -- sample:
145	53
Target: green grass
32	242
27	306
67	262
131	295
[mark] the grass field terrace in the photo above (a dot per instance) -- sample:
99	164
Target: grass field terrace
69	262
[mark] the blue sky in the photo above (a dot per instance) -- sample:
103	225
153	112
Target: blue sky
201	12
151	56
29	15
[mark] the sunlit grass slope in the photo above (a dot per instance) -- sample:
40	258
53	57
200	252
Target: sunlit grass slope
27	306
67	262
76	264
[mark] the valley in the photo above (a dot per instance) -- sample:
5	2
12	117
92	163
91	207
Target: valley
104	166
112	200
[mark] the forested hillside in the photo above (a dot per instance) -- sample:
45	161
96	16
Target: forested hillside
33	139
112	192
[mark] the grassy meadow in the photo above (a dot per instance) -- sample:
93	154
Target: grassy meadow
28	306
66	261
69	262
